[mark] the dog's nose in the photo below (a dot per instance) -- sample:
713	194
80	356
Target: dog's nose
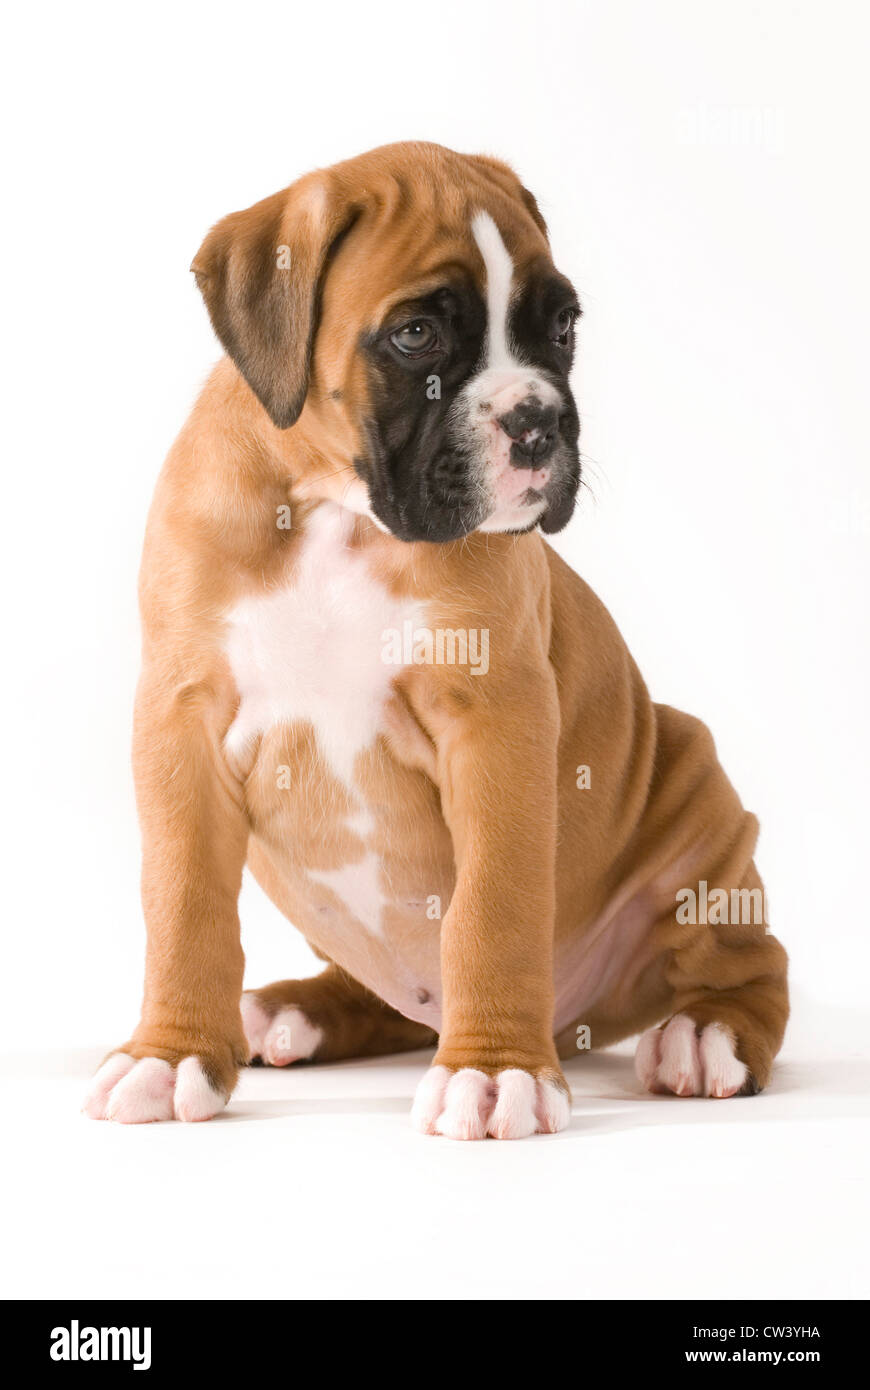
533	429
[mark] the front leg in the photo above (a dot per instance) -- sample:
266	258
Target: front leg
182	1060
496	1072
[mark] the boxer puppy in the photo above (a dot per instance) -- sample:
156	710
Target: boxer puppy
367	676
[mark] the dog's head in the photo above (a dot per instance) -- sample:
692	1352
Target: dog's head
404	308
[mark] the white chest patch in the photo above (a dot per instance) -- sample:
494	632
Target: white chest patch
314	650
320	650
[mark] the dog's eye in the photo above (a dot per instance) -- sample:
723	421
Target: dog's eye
563	328
415	338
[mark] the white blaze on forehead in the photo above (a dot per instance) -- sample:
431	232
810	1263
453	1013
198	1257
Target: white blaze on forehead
499	280
503	380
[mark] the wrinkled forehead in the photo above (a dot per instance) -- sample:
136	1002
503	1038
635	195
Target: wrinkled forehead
489	247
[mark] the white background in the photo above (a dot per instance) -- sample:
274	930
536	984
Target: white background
703	169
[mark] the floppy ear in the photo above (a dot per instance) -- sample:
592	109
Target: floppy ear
260	273
531	203
505	176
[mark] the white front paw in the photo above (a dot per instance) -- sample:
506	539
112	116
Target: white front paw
138	1092
469	1104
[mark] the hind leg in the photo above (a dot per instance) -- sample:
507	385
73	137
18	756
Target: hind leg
721	1046
722	1037
325	1019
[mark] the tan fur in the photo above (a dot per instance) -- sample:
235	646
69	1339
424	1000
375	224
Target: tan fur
352	1020
473	779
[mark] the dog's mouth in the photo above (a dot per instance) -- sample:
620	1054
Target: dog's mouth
441	501
522	499
460	489
534	499
523	453
458	512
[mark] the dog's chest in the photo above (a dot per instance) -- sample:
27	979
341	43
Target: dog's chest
318	649
352	847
